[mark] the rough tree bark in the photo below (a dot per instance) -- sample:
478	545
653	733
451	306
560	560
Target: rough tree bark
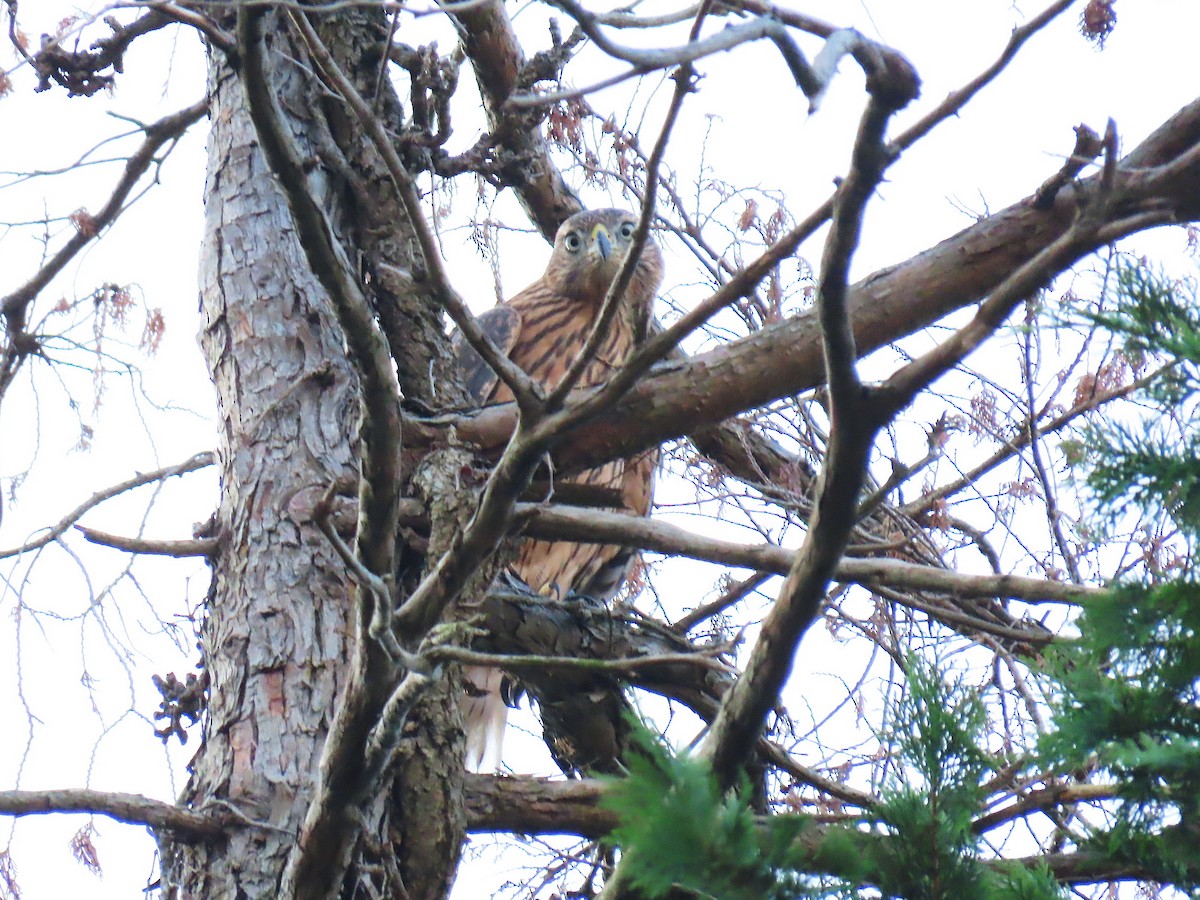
278	631
275	637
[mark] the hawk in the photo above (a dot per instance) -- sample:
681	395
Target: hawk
542	329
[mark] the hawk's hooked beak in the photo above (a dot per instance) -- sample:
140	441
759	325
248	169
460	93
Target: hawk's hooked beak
601	241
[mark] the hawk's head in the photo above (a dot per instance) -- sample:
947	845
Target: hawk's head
589	250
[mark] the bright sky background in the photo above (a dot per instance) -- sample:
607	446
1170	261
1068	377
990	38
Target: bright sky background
1002	147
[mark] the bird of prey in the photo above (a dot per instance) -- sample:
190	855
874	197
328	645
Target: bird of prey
542	329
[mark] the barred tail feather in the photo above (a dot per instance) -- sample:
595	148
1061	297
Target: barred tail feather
485	715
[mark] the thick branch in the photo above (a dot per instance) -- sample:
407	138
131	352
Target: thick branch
744	709
784	359
1107	215
533	806
132	809
536	806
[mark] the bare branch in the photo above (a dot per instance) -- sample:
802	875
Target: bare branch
1087	147
132	809
625	666
54	532
178	549
706	611
1044	798
602	527
536	806
166	130
1094	227
812	79
744	709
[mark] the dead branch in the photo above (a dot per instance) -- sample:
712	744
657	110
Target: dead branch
81	71
536	806
55	531
956	100
177	549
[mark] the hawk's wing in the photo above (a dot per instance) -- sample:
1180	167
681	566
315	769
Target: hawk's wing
500	323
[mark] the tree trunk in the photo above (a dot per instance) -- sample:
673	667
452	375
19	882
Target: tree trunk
279	624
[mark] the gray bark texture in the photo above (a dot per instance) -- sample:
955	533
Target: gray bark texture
280	626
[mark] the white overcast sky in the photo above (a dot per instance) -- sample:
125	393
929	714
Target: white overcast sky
1004	144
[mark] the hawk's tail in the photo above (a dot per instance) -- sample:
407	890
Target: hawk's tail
485	715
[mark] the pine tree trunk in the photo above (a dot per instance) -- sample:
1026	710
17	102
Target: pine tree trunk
277	635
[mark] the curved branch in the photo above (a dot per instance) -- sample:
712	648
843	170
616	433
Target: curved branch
169	128
54	532
745	707
812	79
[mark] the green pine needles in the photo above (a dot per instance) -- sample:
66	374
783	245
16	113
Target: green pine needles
1152	462
1130	707
679	832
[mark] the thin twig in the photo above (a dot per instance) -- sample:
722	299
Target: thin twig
165	130
55	531
620	284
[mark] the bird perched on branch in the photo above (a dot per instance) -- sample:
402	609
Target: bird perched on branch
543	329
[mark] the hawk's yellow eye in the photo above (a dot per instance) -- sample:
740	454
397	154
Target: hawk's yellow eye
626	230
573	242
